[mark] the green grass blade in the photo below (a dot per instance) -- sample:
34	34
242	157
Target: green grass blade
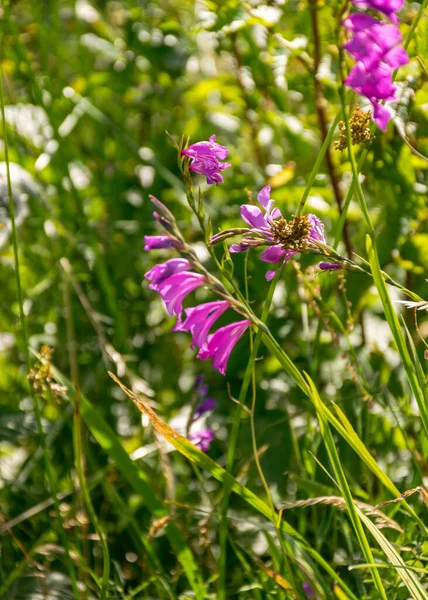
108	440
394	325
195	455
341	424
344	487
408	577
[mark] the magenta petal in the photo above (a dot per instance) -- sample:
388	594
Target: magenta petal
317	229
159	242
202	439
273	254
221	344
359	22
207	405
200	319
161	272
174	289
206	149
327	266
264	196
253	216
396	57
381	115
238	248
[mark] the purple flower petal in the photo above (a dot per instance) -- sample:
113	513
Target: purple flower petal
327	266
253	216
271	274
175	288
221	344
200	319
159	242
274	254
359	22
387	7
264	196
206	158
206	406
381	115
238	247
317	229
308	590
210	149
160	272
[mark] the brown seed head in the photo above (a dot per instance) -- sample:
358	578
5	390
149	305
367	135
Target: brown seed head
293	234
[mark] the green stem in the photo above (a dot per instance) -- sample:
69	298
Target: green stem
415	23
317	164
234	439
37	411
78	439
77	444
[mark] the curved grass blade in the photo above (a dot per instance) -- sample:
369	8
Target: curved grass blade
408	577
344	487
391	316
195	455
139	481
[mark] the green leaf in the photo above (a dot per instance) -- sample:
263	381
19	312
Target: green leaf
138	480
195	455
391	317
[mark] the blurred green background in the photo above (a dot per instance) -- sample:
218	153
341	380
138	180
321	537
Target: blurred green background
90	89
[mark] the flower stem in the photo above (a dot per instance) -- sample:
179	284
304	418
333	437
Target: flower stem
78	439
317	165
234	438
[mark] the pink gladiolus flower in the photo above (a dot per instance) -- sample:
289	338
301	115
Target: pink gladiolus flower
268	227
221	343
173	281
387	7
375	45
205	159
200	319
374	41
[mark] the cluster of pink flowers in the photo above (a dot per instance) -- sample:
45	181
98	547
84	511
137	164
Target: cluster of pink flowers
375	45
176	278
205	159
174	281
265	229
284	239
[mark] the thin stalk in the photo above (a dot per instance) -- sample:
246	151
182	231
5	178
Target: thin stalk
320	107
234	439
263	478
344	488
357	183
78	440
317	165
255	450
37	410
